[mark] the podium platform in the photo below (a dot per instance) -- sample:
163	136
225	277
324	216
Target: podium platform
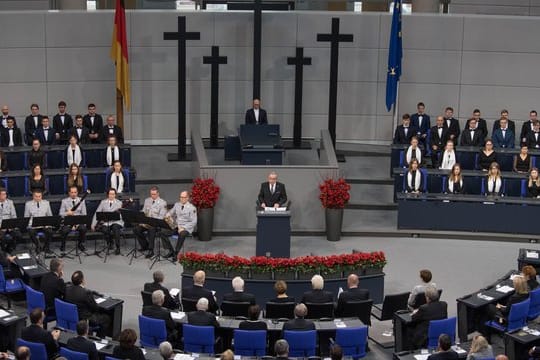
273	234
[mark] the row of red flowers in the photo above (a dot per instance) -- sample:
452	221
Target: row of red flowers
332	263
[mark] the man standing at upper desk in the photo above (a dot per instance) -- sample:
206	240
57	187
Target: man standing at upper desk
272	192
256	115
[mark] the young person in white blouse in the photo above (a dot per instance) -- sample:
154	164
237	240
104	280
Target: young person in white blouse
73	152
448	157
413	151
494	182
112	153
116	178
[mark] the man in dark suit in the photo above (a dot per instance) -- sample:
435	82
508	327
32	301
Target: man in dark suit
93	122
5	114
281	348
354	293
437	140
10	269
157	311
36	333
421	121
504	136
86	304
317	295
80	343
159	277
272	192
62	122
202	317
504	115
31	123
299	323
238	295
533	137
256	115
80	131
451	124
481	124
405	131
528	127
444	349
46	134
52	285
22	353
472	136
433	309
111	129
11	136
197	291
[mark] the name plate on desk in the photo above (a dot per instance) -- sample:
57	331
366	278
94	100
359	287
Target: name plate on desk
274	209
531	255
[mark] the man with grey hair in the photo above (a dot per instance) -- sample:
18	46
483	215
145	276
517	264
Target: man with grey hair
281	348
272	192
201	317
158	277
238	295
157	311
317	295
433	309
197	291
166	350
299	323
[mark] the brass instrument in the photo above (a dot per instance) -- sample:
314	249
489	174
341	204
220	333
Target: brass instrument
147	214
170	221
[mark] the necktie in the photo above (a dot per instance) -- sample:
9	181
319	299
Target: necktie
37	205
117	183
182	207
110	204
73	203
272	188
153	202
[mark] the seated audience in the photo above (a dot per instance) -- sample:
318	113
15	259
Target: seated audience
281	348
494	181
79	131
11	135
87	307
52	285
486	156
522	161
533	184
529	273
253	322
448	158
480	349
46	134
74	153
336	352
111	230
425	276
202	317
9	238
227	355
157	311
317	295
299	323
166	351
405	131
127	348
414	179
437	141
413	152
433	309
533	137
534	352
22	353
280	287
354	293
75	178
444	349
157	284
36	156
472	136
112	152
36	333
36	180
503	137
81	343
116	178
501	310
454	182
238	294
111	129
197	291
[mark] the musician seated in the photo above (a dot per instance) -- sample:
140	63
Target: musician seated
494	181
184	217
454	182
74	152
253	322
37	207
154	207
75	178
117	179
8	237
73	205
111	229
157	311
159	277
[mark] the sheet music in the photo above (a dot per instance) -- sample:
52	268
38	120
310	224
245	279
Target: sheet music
4	313
421	356
100	300
505	289
484	297
23	256
99	345
177	315
30	267
174	291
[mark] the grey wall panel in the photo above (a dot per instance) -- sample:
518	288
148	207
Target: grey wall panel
23	65
358	64
320	64
435	96
156	126
79	94
316	97
490	9
154	97
356	127
279	29
234	30
161	63
274	63
239	63
72	64
7	5
278	96
64	29
236	96
534	11
492	2
20	96
358	98
438	66
22	30
383	127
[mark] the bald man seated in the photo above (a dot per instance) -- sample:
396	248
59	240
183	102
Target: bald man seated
197	291
354	293
202	317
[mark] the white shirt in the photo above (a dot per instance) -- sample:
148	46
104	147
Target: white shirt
36	121
10	132
256	112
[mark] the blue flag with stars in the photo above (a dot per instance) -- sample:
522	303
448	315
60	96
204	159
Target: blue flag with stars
395	53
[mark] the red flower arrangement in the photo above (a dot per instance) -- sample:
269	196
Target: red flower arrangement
204	193
334	193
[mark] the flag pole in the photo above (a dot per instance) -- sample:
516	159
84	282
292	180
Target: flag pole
119	109
395	113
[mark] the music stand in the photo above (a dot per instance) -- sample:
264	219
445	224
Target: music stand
107	217
16	223
158	224
133	217
73	220
44	222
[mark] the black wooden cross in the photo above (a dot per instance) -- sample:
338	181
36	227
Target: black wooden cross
181	36
299	61
215	60
334	38
257	40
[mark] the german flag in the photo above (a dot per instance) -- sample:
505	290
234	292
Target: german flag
119	51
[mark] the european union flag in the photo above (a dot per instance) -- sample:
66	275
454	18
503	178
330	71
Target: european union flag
395	53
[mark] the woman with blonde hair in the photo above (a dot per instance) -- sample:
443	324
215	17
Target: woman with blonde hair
494	182
454	183
414	179
521	293
480	349
533	184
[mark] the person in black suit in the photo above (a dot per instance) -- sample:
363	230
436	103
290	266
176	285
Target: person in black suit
81	343
11	136
5	114
253	322
433	309
511	123
127	348
281	348
444	349
317	295
32	123
197	291
437	141
94	123
272	192
238	294
159	277
62	122
353	294
21	353
86	304
405	131
533	136
280	288
256	115
79	131
472	136
481	124
46	134
10	269
111	129
52	285
421	121
157	311
36	333
299	323
202	317
451	124
36	155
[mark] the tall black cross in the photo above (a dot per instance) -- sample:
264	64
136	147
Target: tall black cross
257	40
334	38
299	61
181	36
215	60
